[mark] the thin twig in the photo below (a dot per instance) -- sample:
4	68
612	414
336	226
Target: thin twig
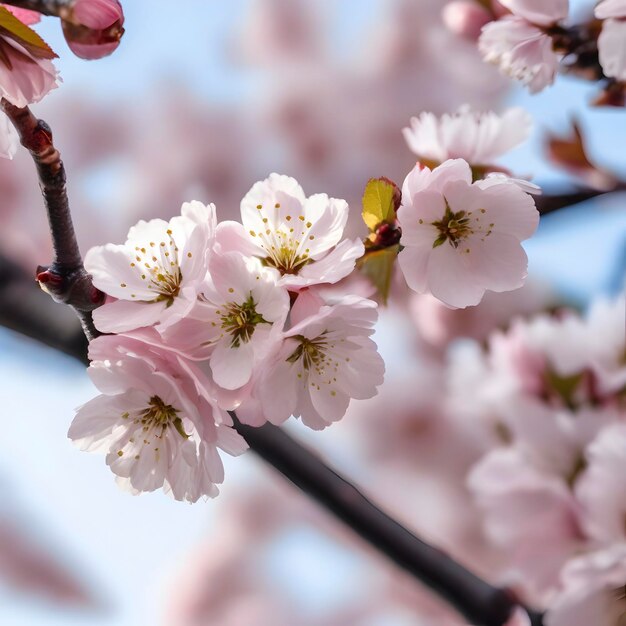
65	279
56	8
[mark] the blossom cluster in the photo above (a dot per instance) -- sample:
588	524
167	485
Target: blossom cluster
550	393
205	318
523	37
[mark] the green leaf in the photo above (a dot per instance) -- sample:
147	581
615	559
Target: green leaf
379	202
11	27
378	267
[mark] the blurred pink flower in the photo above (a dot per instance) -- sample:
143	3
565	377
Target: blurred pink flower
593	590
462	238
478	138
601	488
438	325
521	50
612	39
610	9
465	18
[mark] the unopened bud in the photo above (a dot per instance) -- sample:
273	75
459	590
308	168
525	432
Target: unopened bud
465	18
93	28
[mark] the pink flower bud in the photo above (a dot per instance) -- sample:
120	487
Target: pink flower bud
465	18
94	28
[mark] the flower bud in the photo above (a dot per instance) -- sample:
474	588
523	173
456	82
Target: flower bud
465	18
93	28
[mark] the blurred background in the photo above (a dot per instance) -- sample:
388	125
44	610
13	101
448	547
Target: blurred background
202	99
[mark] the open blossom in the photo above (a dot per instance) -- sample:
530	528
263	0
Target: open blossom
24	78
602	487
241	313
299	236
478	138
150	421
462	238
612	39
593	590
325	359
157	274
521	50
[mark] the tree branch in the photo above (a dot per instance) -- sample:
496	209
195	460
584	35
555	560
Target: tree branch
56	8
65	279
551	202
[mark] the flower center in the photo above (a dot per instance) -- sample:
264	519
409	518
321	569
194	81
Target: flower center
240	320
283	238
453	227
159	266
160	415
311	352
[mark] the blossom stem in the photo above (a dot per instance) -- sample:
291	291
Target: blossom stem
56	8
65	279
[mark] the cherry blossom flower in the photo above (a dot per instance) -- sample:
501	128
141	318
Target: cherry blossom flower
462	238
593	590
241	313
478	138
521	50
325	359
299	236
612	39
157	274
601	488
94	29
531	514
152	424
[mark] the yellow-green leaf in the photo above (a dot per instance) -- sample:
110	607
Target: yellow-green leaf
378	267
11	27
378	202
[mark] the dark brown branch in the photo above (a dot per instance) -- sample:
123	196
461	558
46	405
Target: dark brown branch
65	279
56	8
554	201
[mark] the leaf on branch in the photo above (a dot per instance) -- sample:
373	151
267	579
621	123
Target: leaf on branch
11	27
380	202
570	153
378	266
